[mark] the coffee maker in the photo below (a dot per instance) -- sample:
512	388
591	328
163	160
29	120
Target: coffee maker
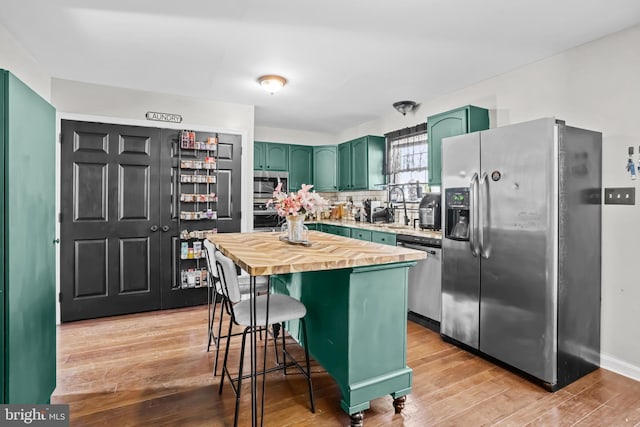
457	212
429	212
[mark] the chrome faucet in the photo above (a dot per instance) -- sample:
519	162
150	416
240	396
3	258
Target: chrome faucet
404	202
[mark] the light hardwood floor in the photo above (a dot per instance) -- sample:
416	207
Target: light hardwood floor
152	369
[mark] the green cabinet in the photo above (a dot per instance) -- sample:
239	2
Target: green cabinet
384	238
360	234
300	166
270	156
344	167
451	123
361	163
337	230
27	247
258	155
325	168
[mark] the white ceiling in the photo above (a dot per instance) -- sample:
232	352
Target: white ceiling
346	61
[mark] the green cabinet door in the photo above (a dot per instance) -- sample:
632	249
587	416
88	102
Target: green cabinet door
360	234
28	290
276	157
300	166
367	163
325	167
258	155
359	164
268	156
384	238
344	167
451	123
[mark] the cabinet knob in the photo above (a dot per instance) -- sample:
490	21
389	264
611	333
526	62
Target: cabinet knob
56	241
154	228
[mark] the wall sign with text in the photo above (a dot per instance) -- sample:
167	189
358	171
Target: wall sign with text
164	117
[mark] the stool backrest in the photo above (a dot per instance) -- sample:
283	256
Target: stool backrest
209	251
228	277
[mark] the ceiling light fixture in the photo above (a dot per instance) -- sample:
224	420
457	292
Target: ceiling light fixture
404	107
272	83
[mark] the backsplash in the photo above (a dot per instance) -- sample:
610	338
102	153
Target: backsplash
358	196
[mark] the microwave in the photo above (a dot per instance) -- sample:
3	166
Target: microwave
265	182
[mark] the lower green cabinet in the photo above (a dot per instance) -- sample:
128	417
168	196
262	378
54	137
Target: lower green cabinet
355	233
384	238
358	233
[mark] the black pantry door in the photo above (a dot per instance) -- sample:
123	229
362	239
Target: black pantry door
110	212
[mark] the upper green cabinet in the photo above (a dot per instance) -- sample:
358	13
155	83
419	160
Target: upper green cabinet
325	176
270	157
361	163
258	155
344	167
300	166
451	123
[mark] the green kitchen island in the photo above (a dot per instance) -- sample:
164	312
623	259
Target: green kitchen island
355	293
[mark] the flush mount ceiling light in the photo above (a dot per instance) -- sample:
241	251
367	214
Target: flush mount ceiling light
404	107
272	83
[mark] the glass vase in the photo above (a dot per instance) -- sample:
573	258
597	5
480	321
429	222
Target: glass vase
296	231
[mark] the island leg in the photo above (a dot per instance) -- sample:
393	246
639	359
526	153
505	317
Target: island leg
398	403
357	419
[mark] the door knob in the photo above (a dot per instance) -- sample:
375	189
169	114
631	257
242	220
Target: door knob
165	228
154	228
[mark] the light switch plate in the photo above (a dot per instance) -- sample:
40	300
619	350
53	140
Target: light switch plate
620	196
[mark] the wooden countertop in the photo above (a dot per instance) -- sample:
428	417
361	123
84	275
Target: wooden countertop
384	227
263	253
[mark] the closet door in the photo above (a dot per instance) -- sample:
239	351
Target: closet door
110	220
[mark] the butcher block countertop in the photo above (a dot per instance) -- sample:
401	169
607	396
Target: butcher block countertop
261	254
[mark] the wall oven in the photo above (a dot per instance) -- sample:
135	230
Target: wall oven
264	182
265	218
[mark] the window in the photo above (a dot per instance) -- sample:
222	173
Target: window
407	160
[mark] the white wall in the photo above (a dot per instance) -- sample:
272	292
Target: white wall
14	58
289	136
595	86
118	105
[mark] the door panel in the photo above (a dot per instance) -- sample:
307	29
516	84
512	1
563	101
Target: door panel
460	268
90	275
89	191
519	280
109	201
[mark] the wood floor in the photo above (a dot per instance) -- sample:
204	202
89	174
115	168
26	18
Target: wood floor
152	369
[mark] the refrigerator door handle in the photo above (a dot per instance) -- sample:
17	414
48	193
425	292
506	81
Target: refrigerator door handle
485	217
473	215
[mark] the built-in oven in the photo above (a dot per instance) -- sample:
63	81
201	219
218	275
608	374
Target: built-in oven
265	218
265	182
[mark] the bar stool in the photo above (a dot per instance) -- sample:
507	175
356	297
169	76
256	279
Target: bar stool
281	308
216	296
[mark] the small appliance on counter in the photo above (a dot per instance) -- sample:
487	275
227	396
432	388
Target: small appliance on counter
429	212
383	215
370	209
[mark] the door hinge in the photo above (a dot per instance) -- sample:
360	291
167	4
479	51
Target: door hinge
60	138
59	216
60	297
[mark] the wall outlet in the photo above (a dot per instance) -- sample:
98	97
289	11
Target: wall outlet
620	196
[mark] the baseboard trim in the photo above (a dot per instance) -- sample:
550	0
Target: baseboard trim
618	366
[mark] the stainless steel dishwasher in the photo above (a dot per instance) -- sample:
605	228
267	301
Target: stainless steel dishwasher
425	280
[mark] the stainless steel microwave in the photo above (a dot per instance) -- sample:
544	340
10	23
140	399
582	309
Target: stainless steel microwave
264	183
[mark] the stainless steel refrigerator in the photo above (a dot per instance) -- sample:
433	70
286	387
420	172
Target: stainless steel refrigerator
521	247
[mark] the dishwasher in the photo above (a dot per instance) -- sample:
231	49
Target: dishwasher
425	280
